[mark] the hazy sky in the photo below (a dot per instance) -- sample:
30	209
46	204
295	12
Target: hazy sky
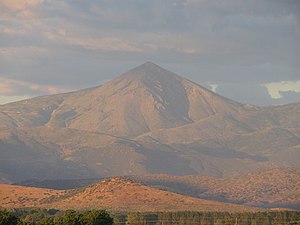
248	50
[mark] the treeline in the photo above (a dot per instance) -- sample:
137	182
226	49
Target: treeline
102	217
54	217
209	218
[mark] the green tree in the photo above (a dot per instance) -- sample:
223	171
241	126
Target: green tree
120	219
7	218
58	219
70	217
96	217
46	221
136	219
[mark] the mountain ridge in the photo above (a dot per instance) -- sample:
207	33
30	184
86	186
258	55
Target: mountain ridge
115	194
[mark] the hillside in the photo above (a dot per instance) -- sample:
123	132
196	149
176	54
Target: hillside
269	188
13	196
147	120
114	194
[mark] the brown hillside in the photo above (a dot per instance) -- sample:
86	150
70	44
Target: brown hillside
270	188
13	196
116	194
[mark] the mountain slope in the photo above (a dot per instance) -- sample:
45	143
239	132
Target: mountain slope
148	120
62	153
144	99
30	113
269	188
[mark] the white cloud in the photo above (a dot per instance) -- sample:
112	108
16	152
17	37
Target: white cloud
213	86
275	89
7	99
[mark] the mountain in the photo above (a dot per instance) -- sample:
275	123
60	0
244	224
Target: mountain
141	100
147	120
114	194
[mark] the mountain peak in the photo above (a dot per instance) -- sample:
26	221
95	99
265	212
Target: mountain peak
149	64
150	72
147	98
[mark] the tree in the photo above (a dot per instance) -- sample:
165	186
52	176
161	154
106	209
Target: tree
7	218
70	217
46	221
136	219
96	217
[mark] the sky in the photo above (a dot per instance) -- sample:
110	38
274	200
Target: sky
247	50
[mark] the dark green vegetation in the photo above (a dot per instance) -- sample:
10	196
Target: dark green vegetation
101	217
54	217
209	218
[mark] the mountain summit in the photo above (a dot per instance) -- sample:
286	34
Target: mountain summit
141	100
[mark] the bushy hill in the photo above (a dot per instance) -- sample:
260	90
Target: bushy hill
115	194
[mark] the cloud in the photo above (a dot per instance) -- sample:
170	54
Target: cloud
11	31
7	99
75	44
5	89
213	86
18	8
105	43
10	87
276	89
247	93
16	5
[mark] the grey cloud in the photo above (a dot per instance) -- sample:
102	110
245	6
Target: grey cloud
287	97
205	71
